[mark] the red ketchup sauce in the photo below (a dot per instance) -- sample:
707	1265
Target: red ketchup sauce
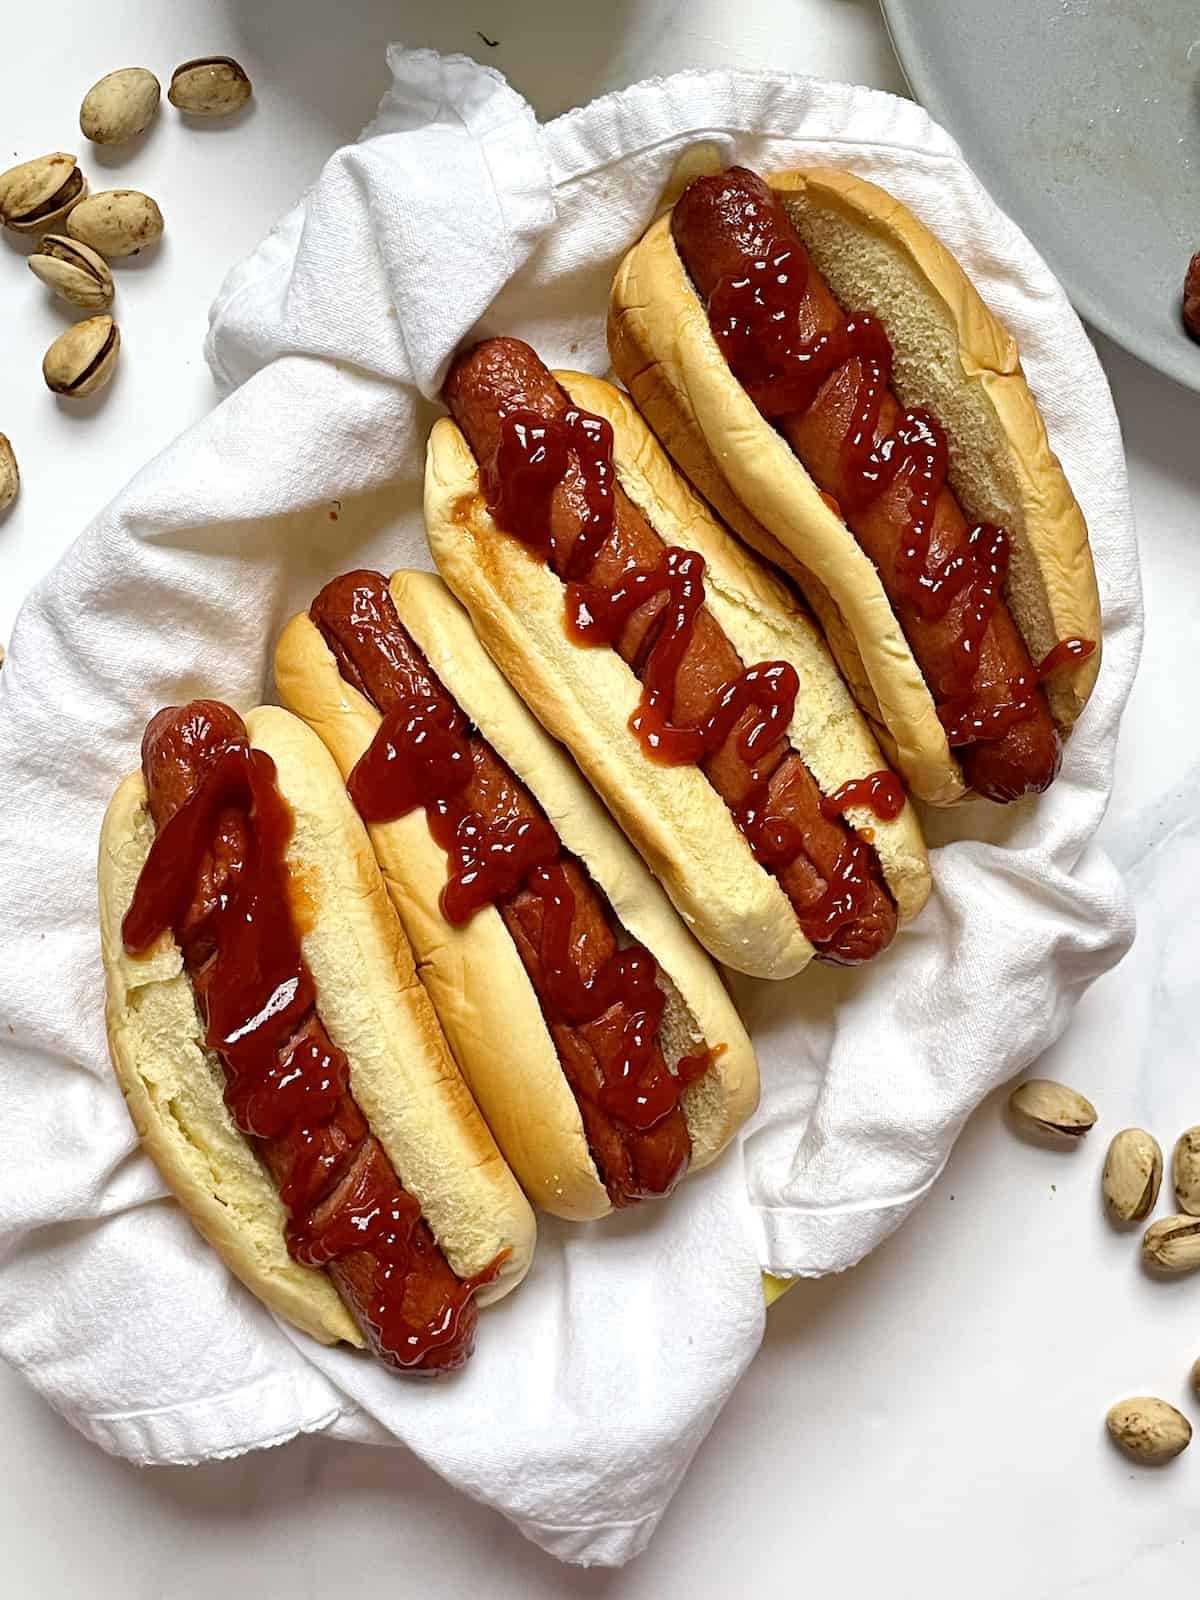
1065	652
881	792
421	756
755	317
285	1079
518	484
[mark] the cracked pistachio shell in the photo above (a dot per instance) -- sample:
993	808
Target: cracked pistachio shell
117	222
1133	1171
74	271
211	86
39	193
82	360
1185	1170
119	107
1172	1244
1052	1109
1147	1429
10	478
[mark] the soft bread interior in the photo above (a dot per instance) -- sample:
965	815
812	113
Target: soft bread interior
585	697
954	358
506	1052
402	1073
763	623
174	1088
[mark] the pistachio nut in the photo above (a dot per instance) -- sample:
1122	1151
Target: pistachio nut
1147	1429
120	106
117	222
1133	1171
74	271
83	359
39	193
1194	1377
1172	1244
10	478
211	86
1185	1170
1041	1106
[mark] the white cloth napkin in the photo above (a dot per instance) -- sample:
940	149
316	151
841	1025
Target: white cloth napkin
594	1384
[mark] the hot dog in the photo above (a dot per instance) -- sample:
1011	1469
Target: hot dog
774	335
595	1035
279	1058
697	699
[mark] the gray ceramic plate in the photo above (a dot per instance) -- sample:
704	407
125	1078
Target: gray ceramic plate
1082	117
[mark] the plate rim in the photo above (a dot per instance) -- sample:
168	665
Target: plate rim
898	20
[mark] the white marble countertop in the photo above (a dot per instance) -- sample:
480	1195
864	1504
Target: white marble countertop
931	1423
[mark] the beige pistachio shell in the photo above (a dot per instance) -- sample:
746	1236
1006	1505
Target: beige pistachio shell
1133	1171
119	107
82	360
76	272
1148	1430
211	86
1185	1171
10	478
1172	1244
39	193
1194	1378
117	222
1039	1105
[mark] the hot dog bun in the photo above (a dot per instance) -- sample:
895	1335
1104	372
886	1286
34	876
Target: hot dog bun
952	356
473	971
674	816
401	1071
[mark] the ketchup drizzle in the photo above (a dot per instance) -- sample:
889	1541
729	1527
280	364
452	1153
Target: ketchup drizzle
881	791
755	315
519	481
1065	651
421	755
533	458
285	1079
596	615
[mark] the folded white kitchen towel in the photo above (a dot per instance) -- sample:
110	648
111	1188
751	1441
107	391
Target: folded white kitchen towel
594	1384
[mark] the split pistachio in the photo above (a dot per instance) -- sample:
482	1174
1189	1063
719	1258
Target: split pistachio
10	478
1185	1170
76	272
39	193
1172	1244
119	107
1147	1429
82	360
1052	1109
117	222
1132	1174
1194	1376
210	86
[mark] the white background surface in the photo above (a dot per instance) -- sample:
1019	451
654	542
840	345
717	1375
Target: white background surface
930	1424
